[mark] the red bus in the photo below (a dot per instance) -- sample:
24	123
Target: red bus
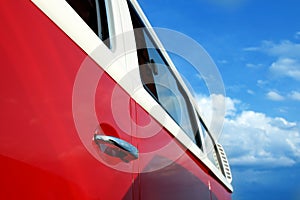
92	109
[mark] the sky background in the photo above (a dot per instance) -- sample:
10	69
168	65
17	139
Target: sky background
256	46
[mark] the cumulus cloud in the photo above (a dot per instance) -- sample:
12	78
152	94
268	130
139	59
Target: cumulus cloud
284	48
274	96
286	67
287	58
213	109
282	123
217	104
255	139
295	95
287	63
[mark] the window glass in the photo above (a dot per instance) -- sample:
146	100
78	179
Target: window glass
210	149
210	145
94	13
159	80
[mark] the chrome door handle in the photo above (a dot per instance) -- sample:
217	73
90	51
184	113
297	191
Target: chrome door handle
116	147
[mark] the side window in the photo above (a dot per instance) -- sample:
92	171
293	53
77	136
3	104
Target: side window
94	13
159	80
210	145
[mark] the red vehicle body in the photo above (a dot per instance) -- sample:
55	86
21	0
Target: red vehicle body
45	108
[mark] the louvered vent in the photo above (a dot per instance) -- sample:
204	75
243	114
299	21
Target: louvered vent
224	163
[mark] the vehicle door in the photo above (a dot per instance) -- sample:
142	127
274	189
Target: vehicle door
106	131
163	113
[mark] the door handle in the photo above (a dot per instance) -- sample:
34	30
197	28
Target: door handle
116	147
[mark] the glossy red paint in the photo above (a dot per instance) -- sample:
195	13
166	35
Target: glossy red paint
183	176
41	154
218	190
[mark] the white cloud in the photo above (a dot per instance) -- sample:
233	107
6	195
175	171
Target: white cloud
282	123
297	35
262	83
255	139
285	48
274	96
216	103
295	95
287	57
213	109
250	65
288	62
286	67
250	92
294	144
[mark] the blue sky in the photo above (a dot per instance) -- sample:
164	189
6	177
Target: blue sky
256	46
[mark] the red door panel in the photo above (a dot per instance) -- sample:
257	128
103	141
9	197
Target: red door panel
218	190
167	170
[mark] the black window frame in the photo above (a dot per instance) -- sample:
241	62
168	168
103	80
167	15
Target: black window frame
95	14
